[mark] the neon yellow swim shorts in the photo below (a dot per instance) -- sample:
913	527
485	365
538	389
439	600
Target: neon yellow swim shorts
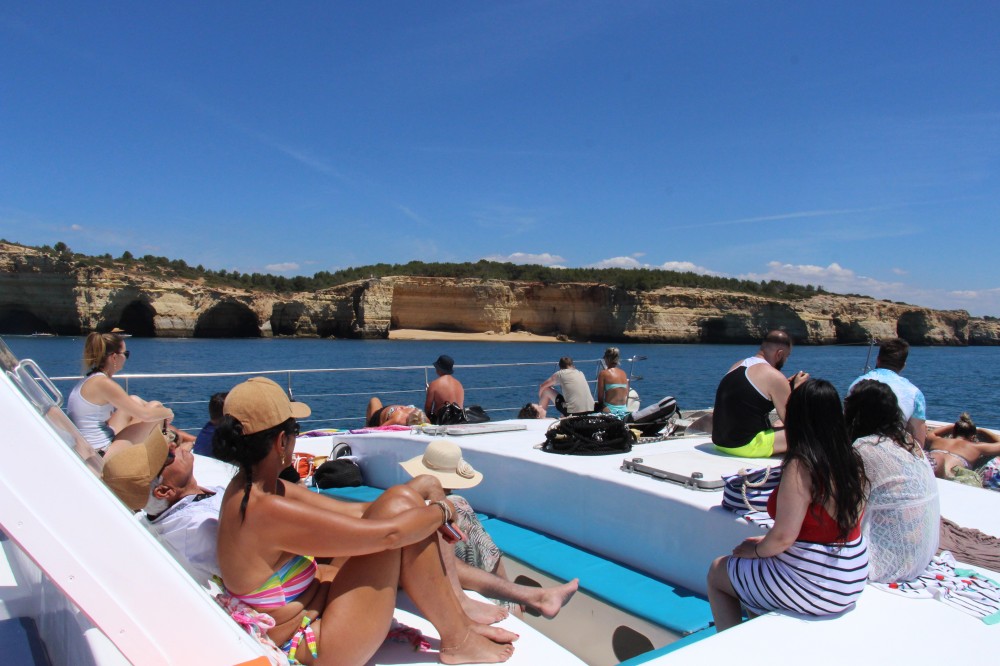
761	446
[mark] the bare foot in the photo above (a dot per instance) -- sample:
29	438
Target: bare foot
475	649
552	599
482	612
497	634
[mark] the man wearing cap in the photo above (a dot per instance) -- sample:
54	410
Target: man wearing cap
445	388
478	560
159	477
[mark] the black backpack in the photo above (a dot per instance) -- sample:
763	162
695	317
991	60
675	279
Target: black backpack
589	435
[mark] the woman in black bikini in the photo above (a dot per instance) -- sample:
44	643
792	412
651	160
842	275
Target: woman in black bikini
961	444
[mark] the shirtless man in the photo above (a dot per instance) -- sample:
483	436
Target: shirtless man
747	394
445	388
960	444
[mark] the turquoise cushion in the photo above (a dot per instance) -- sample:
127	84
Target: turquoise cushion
656	601
355	494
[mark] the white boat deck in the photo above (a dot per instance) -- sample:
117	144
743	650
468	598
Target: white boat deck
674	532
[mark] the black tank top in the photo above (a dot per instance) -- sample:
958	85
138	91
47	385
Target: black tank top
740	410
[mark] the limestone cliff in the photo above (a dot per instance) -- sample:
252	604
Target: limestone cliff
42	293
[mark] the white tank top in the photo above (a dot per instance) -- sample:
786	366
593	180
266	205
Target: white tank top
90	419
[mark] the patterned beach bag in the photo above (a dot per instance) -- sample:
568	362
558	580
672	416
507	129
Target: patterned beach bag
749	489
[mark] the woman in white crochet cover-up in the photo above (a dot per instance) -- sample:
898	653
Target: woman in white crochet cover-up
903	516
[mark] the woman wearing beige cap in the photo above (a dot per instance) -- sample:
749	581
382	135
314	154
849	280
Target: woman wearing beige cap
479	562
271	531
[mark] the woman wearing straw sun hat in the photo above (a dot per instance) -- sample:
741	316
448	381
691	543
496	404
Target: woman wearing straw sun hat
270	533
479	563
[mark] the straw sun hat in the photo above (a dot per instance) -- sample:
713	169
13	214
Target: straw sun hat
443	459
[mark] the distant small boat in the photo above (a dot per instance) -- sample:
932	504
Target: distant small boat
43	335
121	333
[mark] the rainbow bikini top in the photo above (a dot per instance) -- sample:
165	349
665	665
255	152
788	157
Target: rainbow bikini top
284	585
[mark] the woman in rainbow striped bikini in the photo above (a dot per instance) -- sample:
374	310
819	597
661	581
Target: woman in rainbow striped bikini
270	533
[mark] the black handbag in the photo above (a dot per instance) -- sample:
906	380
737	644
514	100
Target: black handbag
476	414
448	414
589	435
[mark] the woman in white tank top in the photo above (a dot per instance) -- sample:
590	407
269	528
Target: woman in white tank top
107	416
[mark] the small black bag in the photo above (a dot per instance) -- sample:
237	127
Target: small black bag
589	435
339	473
448	414
476	414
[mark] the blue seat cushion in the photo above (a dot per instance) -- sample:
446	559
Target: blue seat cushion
654	600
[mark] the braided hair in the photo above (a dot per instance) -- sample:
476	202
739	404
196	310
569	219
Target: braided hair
229	444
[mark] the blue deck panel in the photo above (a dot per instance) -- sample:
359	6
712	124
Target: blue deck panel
654	600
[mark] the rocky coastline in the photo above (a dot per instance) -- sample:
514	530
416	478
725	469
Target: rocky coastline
41	293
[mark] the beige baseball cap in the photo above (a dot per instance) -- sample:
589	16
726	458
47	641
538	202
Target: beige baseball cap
259	404
130	472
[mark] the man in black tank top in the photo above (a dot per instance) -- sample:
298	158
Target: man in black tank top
746	395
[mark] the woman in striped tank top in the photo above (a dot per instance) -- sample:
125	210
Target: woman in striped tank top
814	560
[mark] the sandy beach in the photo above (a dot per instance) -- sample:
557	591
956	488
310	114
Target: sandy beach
519	336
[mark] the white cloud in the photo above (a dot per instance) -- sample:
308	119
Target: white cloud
837	279
282	268
833	278
543	259
618	262
75	227
900	271
631	262
686	267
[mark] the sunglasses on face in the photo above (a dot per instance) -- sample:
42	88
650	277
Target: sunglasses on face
125	353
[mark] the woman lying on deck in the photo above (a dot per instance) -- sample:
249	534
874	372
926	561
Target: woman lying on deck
378	415
813	561
962	444
271	531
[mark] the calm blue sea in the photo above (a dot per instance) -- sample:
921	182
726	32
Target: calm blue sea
954	379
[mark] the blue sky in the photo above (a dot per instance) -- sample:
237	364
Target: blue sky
854	145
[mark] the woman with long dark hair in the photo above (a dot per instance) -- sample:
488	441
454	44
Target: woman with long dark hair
107	416
813	561
903	516
270	533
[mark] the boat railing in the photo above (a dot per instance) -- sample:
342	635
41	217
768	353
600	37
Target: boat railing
334	409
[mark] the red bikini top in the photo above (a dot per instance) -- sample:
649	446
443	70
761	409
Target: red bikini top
818	526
